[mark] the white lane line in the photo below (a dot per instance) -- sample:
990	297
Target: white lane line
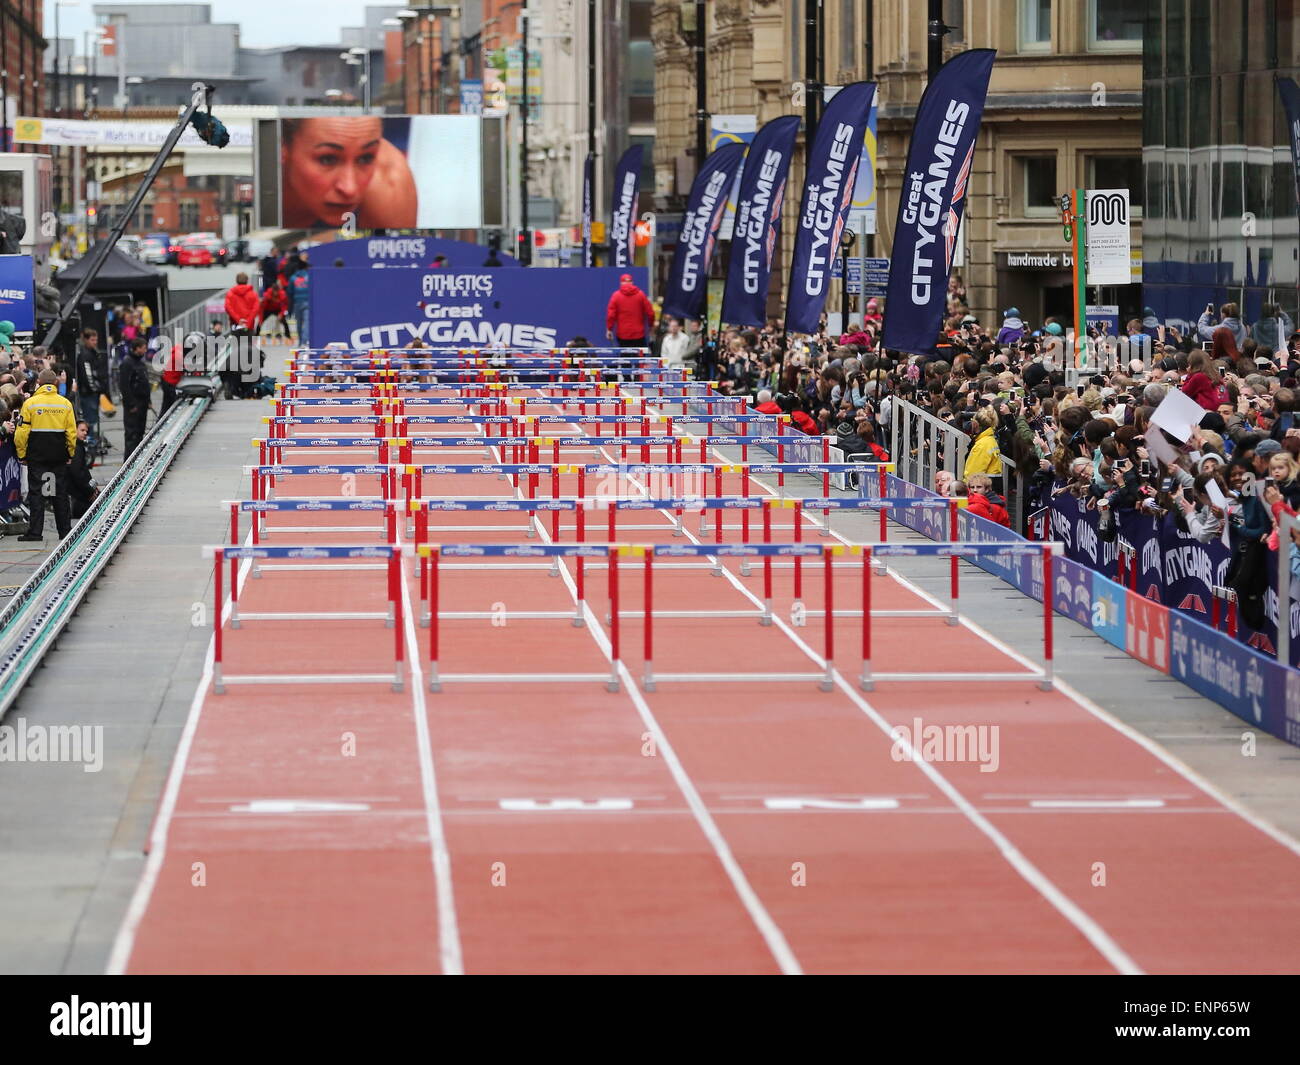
1064	905
124	942
449	946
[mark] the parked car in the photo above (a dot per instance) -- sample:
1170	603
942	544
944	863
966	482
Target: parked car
129	246
153	250
215	245
168	242
194	251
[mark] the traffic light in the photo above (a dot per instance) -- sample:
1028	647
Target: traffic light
524	247
494	249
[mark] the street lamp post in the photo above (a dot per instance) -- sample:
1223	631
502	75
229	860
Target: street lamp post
361	56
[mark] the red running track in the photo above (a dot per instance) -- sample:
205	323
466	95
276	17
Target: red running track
700	827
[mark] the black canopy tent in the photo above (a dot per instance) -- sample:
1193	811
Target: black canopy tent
121	280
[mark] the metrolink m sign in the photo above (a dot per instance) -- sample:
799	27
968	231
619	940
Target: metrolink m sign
1107	235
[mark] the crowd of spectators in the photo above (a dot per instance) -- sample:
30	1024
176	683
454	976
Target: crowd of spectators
1003	385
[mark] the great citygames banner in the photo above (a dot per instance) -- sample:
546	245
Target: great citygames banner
482	308
758	222
1173	567
932	199
11	476
827	194
16	297
862	212
622	213
685	295
119	134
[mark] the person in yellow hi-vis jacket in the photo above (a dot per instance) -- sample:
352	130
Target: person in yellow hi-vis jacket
46	440
984	456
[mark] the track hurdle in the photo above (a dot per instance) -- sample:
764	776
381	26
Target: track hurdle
389	554
433	558
1045	551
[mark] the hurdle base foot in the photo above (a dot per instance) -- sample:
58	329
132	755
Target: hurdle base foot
765	620
579	622
866	685
648	685
611	685
234	623
219	688
1046	685
952	619
398	686
826	685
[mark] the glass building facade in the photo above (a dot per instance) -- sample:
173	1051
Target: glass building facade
1220	214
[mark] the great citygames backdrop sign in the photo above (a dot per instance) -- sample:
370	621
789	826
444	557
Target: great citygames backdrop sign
478	308
75	131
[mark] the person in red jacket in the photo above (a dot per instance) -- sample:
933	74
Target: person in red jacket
765	404
274	307
983	502
242	304
1203	384
629	318
173	371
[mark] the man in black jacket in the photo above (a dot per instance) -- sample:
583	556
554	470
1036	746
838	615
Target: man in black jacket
133	378
92	382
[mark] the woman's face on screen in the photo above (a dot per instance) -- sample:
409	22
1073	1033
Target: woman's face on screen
328	166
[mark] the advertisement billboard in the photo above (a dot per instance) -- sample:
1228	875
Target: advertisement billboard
366	308
362	172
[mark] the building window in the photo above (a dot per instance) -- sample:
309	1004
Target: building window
1038	191
146	216
1035	25
189	216
640	68
1117	172
849	35
1115	26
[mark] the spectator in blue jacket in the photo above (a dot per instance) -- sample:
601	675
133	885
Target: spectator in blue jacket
1229	318
300	297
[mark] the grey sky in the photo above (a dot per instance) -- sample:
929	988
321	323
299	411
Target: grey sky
262	24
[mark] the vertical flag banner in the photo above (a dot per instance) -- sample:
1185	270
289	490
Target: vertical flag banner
627	182
862	214
588	177
758	222
1290	94
932	199
730	129
708	199
828	191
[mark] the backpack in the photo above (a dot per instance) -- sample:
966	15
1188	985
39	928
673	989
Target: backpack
264	387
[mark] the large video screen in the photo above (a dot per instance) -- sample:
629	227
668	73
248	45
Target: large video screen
376	172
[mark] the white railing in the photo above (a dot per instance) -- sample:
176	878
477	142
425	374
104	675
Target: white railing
922	444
